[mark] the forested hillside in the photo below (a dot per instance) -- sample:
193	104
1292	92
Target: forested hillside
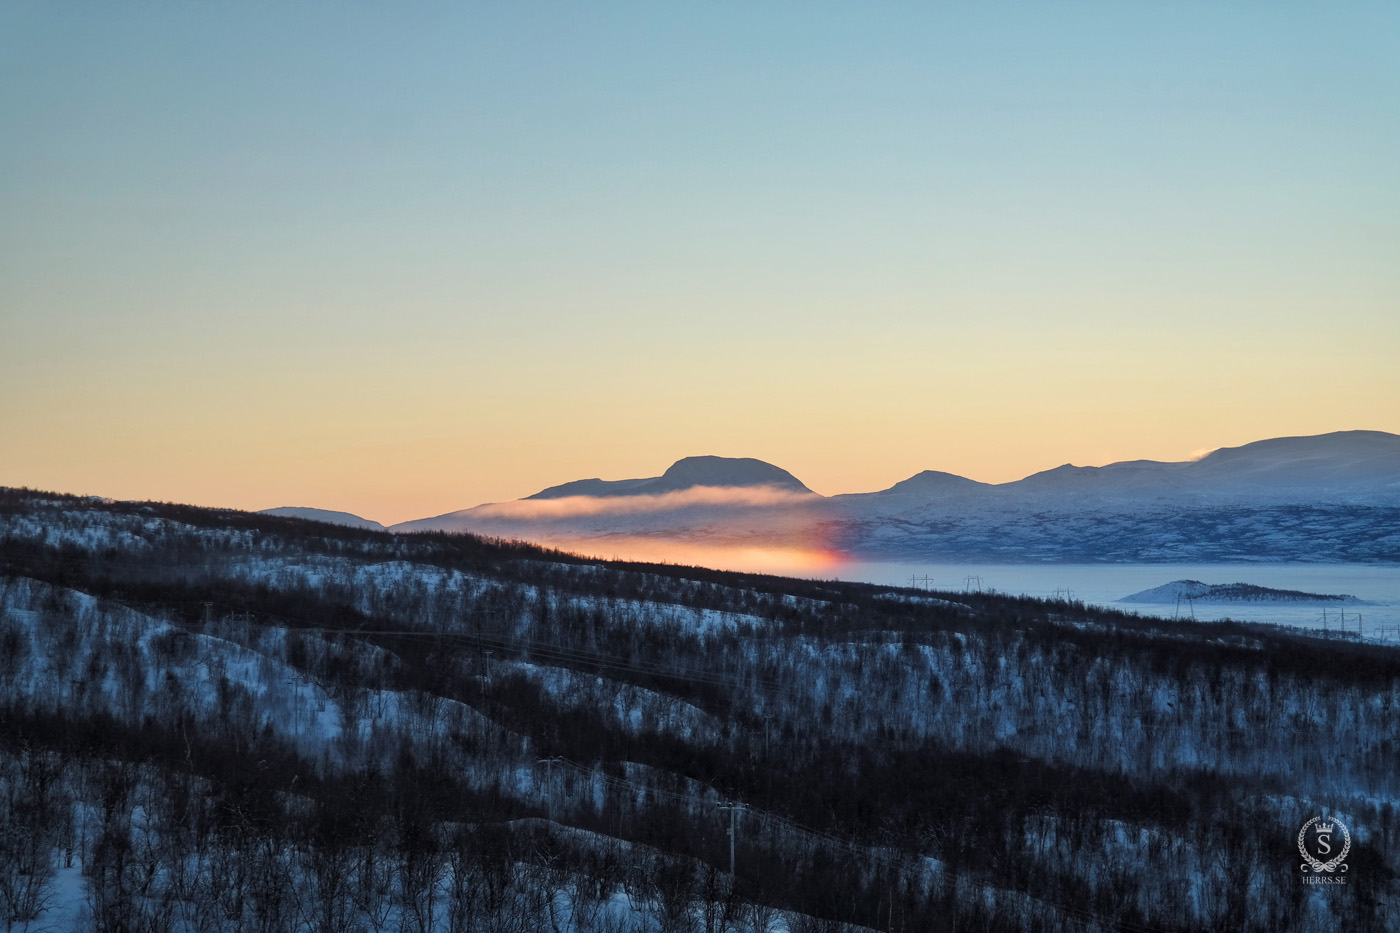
215	720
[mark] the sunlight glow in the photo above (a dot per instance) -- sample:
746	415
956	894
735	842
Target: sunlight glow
752	558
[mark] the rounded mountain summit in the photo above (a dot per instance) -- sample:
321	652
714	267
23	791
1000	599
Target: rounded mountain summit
686	473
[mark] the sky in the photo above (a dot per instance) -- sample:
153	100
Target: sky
401	259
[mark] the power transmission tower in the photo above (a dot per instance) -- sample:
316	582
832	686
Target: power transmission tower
548	786
733	809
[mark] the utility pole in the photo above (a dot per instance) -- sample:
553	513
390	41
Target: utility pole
296	705
1190	605
767	762
548	786
733	809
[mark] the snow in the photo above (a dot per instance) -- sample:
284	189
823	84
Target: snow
634	709
1197	591
214	674
347	519
1329	497
959	687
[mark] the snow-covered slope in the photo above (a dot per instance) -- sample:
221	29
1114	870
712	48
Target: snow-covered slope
1342	462
325	515
211	716
921	488
1342	466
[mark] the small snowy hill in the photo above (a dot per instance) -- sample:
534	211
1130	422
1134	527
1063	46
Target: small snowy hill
1196	591
325	515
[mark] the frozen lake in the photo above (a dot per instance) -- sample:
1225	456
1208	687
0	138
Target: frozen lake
1100	584
1104	584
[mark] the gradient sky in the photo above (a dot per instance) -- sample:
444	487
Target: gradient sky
400	259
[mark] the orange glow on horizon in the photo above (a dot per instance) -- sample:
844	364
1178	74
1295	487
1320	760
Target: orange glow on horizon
780	559
250	267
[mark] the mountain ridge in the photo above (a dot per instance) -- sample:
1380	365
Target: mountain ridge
1360	458
1321	497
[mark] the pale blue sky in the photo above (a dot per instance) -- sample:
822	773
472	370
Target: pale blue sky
404	258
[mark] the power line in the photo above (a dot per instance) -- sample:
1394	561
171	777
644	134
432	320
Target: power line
848	846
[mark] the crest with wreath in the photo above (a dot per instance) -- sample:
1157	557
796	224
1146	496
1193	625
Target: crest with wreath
1317	865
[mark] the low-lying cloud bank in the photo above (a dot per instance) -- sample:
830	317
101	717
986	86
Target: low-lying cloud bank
722	497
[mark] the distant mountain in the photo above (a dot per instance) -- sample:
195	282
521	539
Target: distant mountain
1342	461
718	472
930	484
696	495
325	515
1338	467
1133	479
1333	497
